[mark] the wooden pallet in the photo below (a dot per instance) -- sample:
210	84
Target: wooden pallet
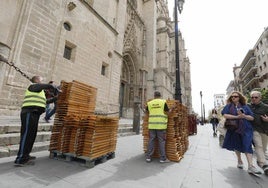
83	160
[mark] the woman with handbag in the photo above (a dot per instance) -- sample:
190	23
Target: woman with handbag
239	133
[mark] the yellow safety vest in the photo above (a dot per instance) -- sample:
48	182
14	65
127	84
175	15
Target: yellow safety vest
157	118
34	99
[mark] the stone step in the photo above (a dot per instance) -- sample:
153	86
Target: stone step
7	129
12	150
10	142
15	128
10	134
14	138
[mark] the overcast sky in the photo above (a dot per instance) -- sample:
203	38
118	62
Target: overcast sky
218	34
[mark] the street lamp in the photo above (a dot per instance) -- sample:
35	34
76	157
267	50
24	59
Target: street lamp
201	109
204	115
179	6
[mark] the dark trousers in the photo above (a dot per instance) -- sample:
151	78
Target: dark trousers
161	135
214	127
29	125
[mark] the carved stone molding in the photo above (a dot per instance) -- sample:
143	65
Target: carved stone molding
89	2
4	50
133	14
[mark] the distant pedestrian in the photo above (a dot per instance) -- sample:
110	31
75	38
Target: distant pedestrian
240	139
260	127
157	125
214	121
33	106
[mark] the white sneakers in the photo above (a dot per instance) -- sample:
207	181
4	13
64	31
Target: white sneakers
265	169
253	170
148	160
240	165
164	161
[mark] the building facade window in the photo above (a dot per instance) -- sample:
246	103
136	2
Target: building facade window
69	51
67	26
104	69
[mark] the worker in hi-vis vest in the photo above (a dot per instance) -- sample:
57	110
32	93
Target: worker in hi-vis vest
33	106
157	125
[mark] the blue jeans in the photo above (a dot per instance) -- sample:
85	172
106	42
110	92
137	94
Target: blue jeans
50	112
161	135
214	127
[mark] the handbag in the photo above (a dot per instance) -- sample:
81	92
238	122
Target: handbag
231	124
221	128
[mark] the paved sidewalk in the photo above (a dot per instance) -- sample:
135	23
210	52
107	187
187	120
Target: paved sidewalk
204	165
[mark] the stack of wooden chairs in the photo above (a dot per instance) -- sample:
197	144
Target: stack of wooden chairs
192	124
77	130
177	132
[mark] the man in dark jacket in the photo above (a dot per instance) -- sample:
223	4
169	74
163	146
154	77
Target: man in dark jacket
33	106
260	128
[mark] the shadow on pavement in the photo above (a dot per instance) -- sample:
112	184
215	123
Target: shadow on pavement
46	171
134	169
240	178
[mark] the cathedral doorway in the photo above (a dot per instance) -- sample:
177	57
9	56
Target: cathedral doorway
127	87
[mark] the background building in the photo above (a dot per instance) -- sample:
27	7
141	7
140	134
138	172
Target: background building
123	48
252	73
219	100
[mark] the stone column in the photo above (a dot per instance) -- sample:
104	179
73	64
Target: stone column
136	115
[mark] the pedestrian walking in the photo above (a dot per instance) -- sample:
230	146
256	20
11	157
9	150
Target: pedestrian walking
214	121
157	125
240	139
260	128
33	106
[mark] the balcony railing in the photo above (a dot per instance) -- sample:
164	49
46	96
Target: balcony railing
249	81
244	74
250	62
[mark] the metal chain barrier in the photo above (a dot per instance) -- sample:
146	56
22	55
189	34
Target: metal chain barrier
11	64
